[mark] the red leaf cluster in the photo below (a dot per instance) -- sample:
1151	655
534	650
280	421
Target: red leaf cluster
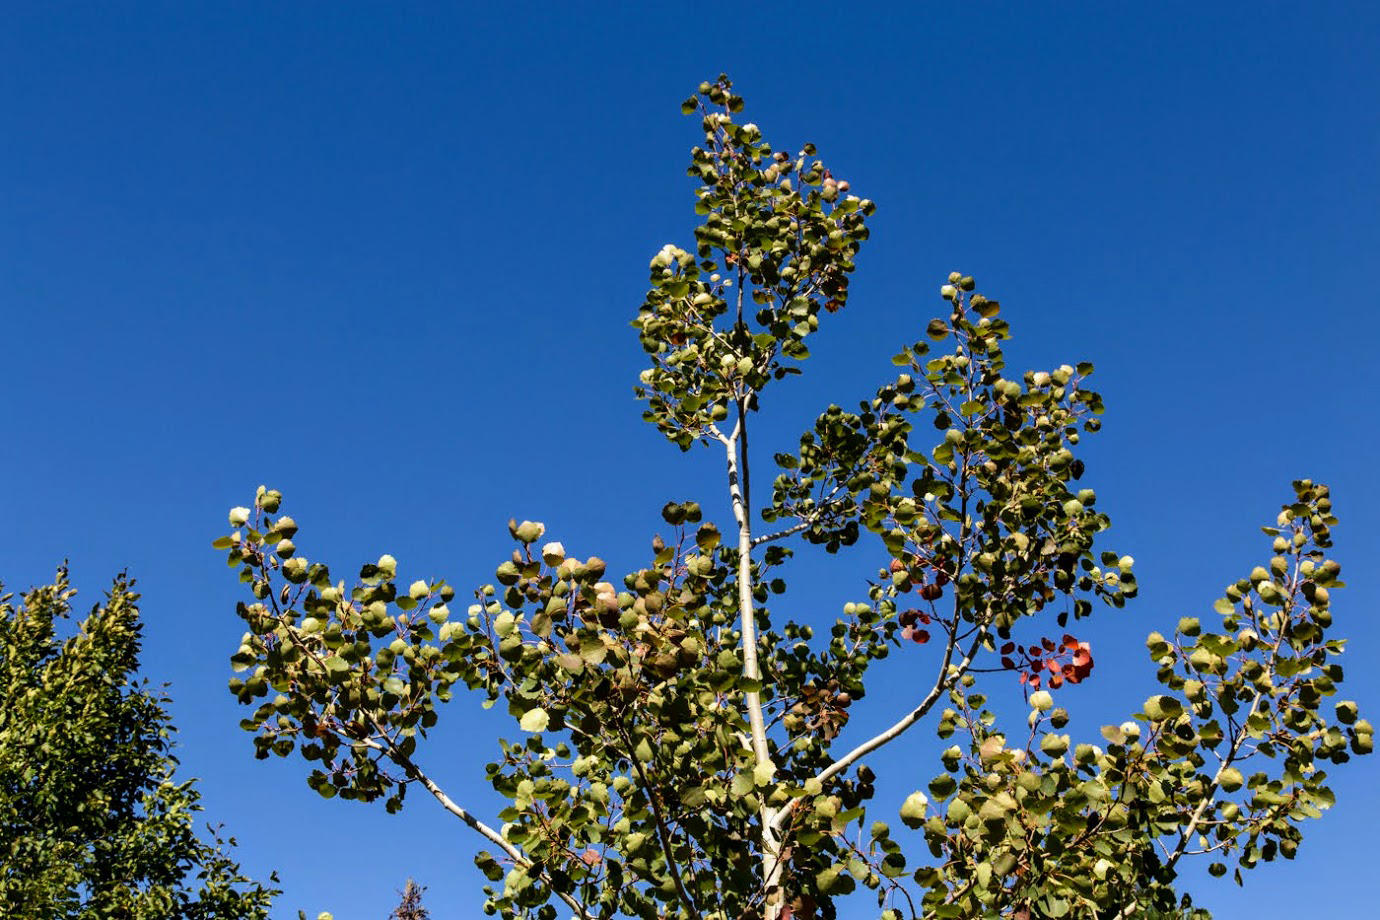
1055	662
911	621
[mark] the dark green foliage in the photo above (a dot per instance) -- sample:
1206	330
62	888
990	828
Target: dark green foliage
93	822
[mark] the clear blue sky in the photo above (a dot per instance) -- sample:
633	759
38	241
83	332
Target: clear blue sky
373	255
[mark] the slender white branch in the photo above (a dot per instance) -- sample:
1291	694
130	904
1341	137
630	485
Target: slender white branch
783	534
416	773
727	440
943	681
451	806
826	507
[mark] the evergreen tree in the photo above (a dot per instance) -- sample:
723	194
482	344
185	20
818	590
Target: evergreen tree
411	906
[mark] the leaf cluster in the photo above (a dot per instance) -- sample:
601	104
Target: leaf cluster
776	245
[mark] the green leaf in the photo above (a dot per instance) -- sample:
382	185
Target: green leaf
1054	745
1161	707
833	881
694	797
913	810
707	538
1230	779
943	786
535	720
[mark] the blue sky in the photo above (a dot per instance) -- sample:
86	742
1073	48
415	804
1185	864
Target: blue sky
383	258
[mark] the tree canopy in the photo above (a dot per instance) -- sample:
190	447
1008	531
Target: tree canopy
94	822
678	728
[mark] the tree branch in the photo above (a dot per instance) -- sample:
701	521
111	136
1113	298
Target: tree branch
782	534
943	681
415	773
814	517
